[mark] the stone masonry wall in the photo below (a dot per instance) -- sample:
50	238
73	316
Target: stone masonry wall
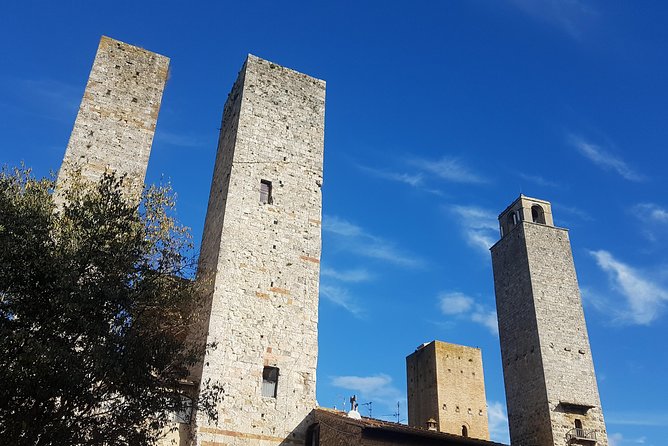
564	343
544	342
118	113
421	386
446	383
461	390
264	258
526	395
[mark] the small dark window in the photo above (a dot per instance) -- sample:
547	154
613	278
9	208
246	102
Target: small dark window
265	192
465	431
313	435
269	381
578	424
537	214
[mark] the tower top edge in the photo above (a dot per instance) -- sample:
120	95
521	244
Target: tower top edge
106	41
521	198
252	58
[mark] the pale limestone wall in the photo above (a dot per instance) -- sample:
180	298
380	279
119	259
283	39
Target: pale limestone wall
544	343
263	259
446	382
118	113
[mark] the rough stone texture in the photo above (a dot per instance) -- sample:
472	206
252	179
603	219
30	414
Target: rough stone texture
118	113
446	383
547	363
262	261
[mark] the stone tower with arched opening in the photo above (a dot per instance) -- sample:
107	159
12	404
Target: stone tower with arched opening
551	389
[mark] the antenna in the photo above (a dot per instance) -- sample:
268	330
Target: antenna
368	406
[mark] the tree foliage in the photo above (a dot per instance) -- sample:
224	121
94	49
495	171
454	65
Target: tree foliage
95	305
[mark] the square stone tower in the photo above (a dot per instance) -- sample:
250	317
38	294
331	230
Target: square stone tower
446	384
260	258
551	389
118	113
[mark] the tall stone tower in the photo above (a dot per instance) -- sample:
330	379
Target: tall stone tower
261	257
446	384
548	370
117	117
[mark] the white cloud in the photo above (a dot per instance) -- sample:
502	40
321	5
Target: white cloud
498	422
449	169
604	160
341	297
486	318
463	306
455	303
652	212
376	388
350	275
645	298
479	226
354	239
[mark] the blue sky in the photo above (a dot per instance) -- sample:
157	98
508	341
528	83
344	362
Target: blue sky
438	116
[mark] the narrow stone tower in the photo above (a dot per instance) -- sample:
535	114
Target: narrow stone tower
261	258
551	389
446	384
118	113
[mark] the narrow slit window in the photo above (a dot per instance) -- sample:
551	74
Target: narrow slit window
265	192
269	381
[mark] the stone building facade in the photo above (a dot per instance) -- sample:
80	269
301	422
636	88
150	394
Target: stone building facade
260	264
116	121
445	383
551	389
260	258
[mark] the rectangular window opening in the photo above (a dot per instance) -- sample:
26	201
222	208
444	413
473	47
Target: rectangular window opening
265	192
269	381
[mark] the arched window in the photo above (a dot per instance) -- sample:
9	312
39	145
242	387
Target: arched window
537	214
465	431
578	424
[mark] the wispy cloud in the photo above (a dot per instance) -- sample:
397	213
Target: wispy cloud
341	297
644	298
449	169
653	221
179	140
461	305
412	179
339	226
617	439
576	212
46	98
652	212
350	275
356	240
479	226
604	159
377	388
653	419
538	180
498	422
572	16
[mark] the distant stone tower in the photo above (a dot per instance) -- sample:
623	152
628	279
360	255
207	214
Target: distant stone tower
118	114
446	384
261	256
551	389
